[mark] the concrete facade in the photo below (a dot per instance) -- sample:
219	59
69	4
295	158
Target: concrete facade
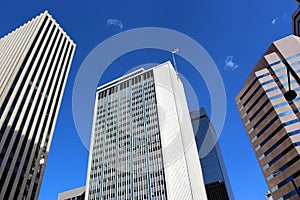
142	144
272	123
74	194
35	62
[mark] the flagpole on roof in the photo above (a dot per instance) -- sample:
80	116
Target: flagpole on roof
174	61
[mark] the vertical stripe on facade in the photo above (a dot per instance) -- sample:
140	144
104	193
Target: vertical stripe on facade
30	100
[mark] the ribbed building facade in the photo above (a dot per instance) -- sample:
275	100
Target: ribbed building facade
142	144
271	122
35	61
215	176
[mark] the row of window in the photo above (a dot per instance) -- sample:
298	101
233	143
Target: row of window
280	155
283	167
267	74
284	182
289	195
264	129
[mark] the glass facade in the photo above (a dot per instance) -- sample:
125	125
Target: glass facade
216	181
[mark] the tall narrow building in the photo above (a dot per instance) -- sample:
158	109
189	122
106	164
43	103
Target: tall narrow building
215	176
272	122
35	61
142	144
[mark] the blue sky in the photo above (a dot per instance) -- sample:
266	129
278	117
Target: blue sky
235	33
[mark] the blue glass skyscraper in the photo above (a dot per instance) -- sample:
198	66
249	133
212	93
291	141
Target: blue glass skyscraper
215	177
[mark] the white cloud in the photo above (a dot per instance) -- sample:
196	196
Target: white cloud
229	63
274	21
115	23
284	16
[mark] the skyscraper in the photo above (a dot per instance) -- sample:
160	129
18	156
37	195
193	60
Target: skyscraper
35	62
272	122
215	176
142	144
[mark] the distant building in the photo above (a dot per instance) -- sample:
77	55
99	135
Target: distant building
142	144
271	122
296	20
74	194
35	60
215	176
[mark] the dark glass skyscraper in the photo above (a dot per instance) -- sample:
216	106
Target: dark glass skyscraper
215	177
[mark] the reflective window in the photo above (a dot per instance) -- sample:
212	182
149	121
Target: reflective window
271	89
267	82
263	75
275	63
293	56
285	113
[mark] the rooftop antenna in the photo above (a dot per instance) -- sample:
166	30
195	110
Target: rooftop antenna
174	62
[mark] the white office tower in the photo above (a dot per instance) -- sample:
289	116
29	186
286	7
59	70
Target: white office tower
35	60
142	144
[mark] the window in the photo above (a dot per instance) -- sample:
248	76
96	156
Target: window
295	63
263	75
285	113
280	155
247	123
281	104
271	89
280	69
244	115
267	82
250	131
293	56
247	90
275	63
276	97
